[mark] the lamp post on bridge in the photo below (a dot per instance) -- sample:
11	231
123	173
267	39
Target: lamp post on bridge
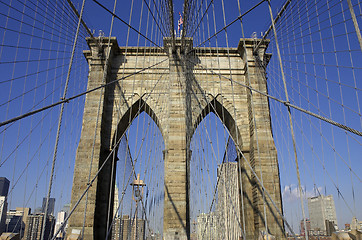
137	195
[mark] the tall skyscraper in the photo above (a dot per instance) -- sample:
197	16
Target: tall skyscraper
50	207
34	226
115	201
126	228
228	208
59	221
138	230
207	226
116	229
3	209
4	186
321	208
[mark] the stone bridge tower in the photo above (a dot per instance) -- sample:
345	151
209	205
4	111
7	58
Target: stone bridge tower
177	101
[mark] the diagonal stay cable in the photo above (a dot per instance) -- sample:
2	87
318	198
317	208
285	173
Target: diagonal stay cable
331	146
79	17
60	118
286	103
89	184
32	89
38	21
133	173
308	101
149	9
66	100
159	16
271	26
198	25
245	159
234	21
116	16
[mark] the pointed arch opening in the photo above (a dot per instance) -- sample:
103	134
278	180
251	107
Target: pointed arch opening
136	205
224	115
214	174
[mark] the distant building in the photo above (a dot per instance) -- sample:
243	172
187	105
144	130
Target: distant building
125	228
66	208
59	222
115	201
207	226
3	209
355	224
321	208
34	226
302	228
16	219
116	229
4	186
37	210
228	207
330	228
14	222
140	229
50	207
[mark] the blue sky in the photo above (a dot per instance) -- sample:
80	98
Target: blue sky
313	80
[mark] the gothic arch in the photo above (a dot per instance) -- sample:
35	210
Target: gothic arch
177	120
223	113
138	106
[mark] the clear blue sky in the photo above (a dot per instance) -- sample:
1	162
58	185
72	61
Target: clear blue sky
318	143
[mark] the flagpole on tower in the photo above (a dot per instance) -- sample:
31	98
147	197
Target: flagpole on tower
179	23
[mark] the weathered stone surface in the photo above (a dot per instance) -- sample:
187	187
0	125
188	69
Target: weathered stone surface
177	94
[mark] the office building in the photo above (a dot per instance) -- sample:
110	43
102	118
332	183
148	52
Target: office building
116	229
355	224
4	186
228	207
138	230
207	226
321	208
34	226
59	222
50	207
115	201
3	209
302	228
16	219
125	228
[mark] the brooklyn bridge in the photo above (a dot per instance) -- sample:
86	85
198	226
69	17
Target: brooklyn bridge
164	119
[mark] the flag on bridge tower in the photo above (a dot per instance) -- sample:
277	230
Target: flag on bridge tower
180	21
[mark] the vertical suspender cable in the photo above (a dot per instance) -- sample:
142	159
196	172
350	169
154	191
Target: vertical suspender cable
290	119
60	122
